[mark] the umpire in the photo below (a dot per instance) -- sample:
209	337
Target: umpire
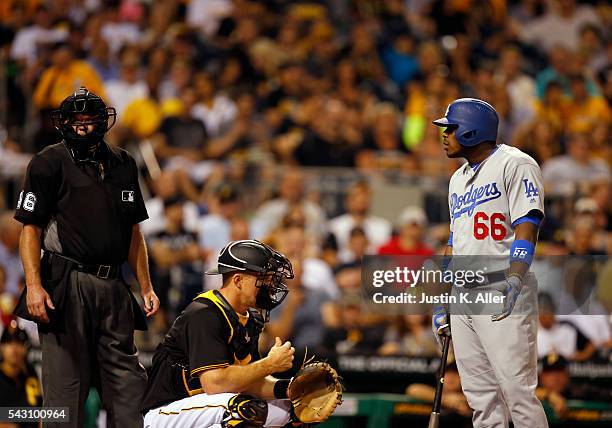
81	205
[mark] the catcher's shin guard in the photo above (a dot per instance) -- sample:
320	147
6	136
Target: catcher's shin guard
245	411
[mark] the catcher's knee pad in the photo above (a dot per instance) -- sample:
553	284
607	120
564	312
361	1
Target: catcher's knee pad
244	411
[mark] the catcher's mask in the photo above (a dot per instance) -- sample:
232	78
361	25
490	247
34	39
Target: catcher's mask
270	267
83	108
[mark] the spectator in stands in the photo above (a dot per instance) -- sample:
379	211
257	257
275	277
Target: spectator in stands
101	60
182	136
592	49
117	30
586	110
556	386
332	140
410	335
130	85
178	79
214	228
563	337
178	262
206	15
300	318
357	204
410	240
452	394
399	58
293	241
329	251
553	108
520	86
170	185
10	232
291	87
581	239
560	25
291	192
601	195
357	248
383	148
215	110
29	40
65	75
19	384
563	174
354	334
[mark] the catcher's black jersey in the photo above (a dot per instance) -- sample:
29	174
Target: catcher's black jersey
85	211
207	335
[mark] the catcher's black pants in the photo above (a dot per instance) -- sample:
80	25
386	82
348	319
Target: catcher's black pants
96	346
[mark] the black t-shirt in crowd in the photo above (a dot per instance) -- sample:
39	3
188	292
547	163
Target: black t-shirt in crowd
24	391
207	335
86	212
184	133
315	151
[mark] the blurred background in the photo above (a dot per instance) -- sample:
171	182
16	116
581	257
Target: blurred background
307	124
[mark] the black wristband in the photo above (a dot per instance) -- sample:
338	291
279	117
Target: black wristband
280	388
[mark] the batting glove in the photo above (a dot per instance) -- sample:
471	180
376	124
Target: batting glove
440	323
511	293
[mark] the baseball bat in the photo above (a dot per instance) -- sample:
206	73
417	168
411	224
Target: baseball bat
434	419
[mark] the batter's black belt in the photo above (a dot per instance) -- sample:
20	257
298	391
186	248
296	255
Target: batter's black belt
101	271
496	276
489	278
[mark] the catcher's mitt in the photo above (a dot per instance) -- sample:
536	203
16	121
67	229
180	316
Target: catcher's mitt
315	391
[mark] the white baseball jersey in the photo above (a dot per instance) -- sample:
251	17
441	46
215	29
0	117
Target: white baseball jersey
484	202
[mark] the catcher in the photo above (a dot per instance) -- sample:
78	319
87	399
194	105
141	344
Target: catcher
207	371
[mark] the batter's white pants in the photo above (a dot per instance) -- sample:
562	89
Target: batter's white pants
497	362
207	411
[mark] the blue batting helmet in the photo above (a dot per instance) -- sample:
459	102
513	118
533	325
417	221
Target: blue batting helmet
476	121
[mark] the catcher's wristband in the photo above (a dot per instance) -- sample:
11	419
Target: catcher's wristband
280	388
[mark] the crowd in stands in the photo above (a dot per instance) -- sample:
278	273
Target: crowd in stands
285	121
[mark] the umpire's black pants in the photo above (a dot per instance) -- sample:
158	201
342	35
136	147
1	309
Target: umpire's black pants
96	346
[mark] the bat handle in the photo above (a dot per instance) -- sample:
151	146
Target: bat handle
440	386
434	420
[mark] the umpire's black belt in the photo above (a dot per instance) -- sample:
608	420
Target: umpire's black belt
101	271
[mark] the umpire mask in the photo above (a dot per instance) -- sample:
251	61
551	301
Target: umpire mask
83	108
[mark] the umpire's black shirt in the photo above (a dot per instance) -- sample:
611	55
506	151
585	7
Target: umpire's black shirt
86	212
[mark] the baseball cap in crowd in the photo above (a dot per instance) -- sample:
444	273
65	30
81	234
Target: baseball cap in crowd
585	206
173	200
13	333
227	193
413	215
554	362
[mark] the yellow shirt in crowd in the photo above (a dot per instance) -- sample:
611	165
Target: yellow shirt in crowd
55	85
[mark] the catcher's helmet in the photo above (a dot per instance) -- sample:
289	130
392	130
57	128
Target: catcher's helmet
476	121
85	103
255	257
